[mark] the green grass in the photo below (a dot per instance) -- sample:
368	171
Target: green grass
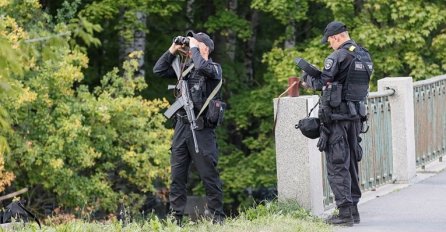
271	216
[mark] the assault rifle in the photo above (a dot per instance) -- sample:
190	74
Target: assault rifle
184	101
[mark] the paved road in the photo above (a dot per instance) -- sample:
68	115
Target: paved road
421	207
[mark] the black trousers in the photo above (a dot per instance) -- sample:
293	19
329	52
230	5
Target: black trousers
183	152
343	154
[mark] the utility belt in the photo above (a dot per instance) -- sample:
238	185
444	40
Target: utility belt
182	118
351	108
212	118
200	121
345	111
334	107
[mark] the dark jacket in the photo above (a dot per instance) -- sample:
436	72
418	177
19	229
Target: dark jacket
207	70
337	64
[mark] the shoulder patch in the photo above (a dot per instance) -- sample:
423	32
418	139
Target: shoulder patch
328	63
351	48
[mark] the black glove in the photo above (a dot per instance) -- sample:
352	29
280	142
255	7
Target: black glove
307	80
323	139
304	76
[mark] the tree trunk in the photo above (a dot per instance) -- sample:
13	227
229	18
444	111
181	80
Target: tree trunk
250	47
231	38
290	42
136	43
190	13
358	4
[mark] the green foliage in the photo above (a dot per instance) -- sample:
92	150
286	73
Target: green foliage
283	10
81	28
403	38
89	149
67	11
10	65
252	115
226	21
342	10
85	149
408	30
108	9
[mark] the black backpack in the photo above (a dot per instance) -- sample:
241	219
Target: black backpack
17	211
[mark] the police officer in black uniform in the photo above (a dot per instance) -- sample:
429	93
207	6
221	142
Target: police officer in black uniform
202	80
344	83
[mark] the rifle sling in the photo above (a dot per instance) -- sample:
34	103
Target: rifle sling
212	95
187	70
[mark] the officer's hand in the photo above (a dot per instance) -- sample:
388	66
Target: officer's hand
193	43
305	76
174	48
304	83
323	139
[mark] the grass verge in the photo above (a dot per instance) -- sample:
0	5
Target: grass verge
269	217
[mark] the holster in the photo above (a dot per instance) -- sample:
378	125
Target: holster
215	112
324	115
325	109
362	111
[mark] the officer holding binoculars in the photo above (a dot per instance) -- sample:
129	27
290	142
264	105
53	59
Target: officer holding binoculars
204	76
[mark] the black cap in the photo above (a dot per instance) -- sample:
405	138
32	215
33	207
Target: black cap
204	38
333	28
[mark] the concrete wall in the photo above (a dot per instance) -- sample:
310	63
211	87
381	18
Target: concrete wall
299	164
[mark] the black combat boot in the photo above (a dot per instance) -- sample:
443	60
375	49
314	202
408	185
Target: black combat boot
175	218
217	219
178	219
344	218
355	214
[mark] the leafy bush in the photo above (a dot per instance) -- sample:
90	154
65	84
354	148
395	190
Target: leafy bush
88	148
77	148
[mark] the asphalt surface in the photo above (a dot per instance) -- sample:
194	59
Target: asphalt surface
420	207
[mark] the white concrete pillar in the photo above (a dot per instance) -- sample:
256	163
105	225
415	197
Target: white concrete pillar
403	127
299	163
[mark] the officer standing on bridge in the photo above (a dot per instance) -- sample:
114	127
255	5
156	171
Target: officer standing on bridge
344	83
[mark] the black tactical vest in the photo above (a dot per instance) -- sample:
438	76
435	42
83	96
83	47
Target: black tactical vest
200	88
356	86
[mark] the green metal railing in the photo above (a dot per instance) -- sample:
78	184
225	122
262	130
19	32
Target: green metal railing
328	194
430	119
376	167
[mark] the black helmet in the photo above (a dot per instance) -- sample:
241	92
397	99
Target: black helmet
309	127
